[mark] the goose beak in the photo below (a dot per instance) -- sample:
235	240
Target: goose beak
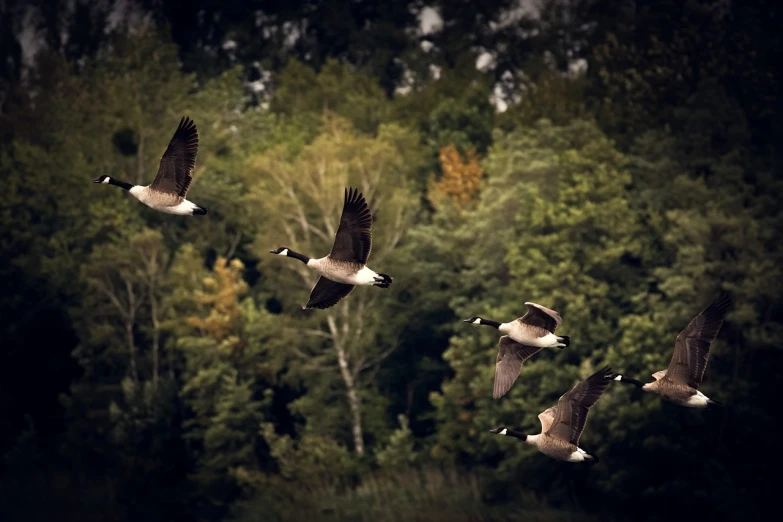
97	180
467	321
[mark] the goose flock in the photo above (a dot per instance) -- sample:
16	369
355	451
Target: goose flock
346	267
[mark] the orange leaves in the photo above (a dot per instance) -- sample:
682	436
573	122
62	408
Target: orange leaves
460	180
222	296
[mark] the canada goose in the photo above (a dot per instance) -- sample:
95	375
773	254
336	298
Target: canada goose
562	425
535	328
345	266
167	191
680	382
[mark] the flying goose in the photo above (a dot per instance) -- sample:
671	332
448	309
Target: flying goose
535	328
680	382
527	336
167	191
345	266
562	425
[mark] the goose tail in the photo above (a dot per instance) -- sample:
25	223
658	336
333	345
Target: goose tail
385	281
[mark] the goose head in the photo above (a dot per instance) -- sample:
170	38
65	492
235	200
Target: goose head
499	431
282	251
102	179
473	320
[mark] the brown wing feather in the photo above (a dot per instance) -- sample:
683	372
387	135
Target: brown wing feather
692	347
327	293
541	316
511	355
573	406
547	417
353	240
177	163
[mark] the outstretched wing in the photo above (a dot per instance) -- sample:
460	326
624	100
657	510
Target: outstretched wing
175	171
353	240
692	347
572	408
327	293
541	316
547	417
511	355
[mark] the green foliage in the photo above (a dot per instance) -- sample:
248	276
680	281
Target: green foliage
399	452
192	386
224	385
354	95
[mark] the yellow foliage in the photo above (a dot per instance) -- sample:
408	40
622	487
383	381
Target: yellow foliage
222	294
461	177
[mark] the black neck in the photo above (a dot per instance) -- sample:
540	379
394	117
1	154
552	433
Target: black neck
121	184
296	255
628	380
517	434
488	322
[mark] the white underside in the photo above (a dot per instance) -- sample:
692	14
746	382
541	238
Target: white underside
185	208
364	276
577	456
521	335
697	401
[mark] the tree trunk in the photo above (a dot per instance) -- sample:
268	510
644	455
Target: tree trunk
140	160
353	400
155	339
131	351
129	323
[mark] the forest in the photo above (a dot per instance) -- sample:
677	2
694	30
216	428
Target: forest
617	161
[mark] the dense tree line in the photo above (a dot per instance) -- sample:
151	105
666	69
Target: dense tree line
160	368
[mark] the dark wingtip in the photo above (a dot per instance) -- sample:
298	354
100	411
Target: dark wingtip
724	300
200	211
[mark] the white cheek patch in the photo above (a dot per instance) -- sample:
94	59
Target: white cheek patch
478	321
106	181
504	431
283	252
618	378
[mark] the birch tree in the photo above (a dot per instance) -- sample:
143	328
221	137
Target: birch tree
300	200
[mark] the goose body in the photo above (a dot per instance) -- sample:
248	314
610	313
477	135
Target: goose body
680	382
535	328
167	191
524	338
346	265
562	425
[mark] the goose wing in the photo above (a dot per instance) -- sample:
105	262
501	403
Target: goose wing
511	355
547	417
175	171
692	347
327	293
573	406
541	316
353	240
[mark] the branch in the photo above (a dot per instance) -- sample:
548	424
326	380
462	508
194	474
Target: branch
310	331
379	359
233	245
